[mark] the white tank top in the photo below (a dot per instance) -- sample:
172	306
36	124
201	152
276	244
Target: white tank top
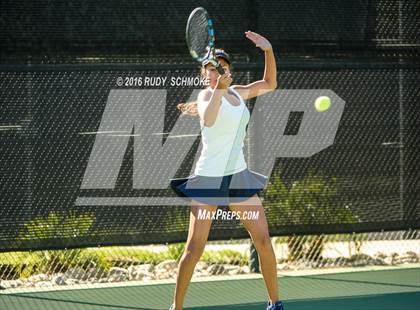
223	142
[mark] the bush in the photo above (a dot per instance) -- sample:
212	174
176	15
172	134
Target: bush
225	257
55	226
133	257
310	201
175	251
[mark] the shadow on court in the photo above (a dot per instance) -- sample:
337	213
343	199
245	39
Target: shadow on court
332	279
66	303
406	301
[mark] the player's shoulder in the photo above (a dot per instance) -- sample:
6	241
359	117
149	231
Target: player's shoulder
239	88
242	90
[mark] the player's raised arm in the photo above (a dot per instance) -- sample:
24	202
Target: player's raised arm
269	81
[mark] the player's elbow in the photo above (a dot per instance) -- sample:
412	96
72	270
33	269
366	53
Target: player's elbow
208	124
272	85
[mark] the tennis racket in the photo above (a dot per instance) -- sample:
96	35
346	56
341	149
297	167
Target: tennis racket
200	38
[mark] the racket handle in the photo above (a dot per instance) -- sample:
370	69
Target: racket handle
219	68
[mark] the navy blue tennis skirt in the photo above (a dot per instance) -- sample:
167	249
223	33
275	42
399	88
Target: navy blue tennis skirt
221	190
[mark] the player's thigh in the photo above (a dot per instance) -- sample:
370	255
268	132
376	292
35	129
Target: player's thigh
200	221
253	217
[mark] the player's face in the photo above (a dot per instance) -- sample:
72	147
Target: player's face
211	73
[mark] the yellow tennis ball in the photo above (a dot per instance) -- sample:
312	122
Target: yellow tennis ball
322	103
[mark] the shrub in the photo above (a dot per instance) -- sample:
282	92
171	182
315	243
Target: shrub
116	259
310	201
175	251
225	257
56	225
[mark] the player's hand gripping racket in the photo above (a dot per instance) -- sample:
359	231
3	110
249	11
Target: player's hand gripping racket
200	38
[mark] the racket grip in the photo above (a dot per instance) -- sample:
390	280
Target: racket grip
219	69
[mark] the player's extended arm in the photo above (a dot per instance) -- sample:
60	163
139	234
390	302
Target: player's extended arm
269	81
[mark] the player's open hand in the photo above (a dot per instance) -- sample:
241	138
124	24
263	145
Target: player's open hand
258	40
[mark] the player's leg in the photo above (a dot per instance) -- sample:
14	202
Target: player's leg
258	230
197	237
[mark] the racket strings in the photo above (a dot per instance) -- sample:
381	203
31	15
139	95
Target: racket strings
199	35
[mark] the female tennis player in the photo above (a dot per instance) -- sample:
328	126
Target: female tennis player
223	118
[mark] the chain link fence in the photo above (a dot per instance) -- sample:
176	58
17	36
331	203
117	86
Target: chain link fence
144	264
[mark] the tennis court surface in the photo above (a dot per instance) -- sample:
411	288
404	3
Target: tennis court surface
375	289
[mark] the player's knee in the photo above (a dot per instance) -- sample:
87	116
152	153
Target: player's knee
194	250
262	242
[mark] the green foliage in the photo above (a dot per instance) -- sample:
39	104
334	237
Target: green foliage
310	201
92	259
175	251
14	263
224	257
56	225
60	260
149	257
68	226
25	264
118	258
